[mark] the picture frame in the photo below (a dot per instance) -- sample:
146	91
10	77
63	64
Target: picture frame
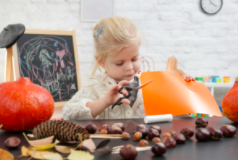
95	10
50	59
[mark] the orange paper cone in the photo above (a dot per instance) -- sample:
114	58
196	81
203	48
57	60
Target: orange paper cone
169	93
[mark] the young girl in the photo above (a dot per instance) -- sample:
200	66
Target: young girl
117	43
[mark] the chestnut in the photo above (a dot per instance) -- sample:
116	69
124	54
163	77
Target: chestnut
143	131
202	134
201	122
105	126
156	140
141	126
157	128
110	130
117	130
91	128
151	133
143	143
215	134
137	136
158	149
169	142
228	130
128	152
187	132
12	142
120	125
125	135
179	138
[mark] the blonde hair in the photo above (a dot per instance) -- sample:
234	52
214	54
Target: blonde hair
111	35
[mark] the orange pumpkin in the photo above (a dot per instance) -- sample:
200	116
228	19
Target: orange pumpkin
230	103
24	105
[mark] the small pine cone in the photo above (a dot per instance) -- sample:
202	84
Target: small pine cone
62	130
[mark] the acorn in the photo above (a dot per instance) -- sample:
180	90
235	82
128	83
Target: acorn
137	136
105	126
128	152
166	135
12	142
156	140
103	131
143	143
125	135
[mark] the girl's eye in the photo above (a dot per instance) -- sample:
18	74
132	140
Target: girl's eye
134	59
119	64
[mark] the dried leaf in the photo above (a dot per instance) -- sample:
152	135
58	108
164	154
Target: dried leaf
25	150
103	143
88	143
39	142
44	147
75	155
45	155
5	155
60	147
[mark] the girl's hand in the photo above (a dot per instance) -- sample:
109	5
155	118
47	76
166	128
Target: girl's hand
113	95
188	78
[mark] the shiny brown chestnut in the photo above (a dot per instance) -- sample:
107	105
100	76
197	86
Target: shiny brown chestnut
201	122
151	133
120	125
128	152
228	130
157	128
179	138
187	132
110	130
12	142
117	130
141	126
169	142
215	134
202	134
91	128
159	149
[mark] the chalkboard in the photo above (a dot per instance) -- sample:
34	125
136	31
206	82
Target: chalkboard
50	61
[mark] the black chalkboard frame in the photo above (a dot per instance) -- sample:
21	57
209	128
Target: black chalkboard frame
15	73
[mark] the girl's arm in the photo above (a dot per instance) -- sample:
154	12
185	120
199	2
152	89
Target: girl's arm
111	97
172	67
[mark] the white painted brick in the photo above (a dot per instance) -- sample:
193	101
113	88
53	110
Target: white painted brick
165	1
56	1
38	1
74	1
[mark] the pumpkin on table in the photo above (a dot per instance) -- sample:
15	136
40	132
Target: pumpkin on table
24	105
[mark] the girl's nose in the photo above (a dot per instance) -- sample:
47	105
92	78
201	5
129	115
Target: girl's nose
129	66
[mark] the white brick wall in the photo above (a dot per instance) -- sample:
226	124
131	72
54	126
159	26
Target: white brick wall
203	45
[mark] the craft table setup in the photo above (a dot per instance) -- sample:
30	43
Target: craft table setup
226	148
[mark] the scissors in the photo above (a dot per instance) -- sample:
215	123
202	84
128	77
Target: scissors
129	94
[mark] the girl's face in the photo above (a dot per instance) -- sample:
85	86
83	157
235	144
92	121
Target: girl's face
124	65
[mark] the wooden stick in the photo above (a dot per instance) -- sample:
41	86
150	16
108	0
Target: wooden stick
110	136
116	151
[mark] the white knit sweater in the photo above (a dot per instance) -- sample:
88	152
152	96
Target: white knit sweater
98	85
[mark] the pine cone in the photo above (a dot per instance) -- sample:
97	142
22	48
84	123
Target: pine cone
62	130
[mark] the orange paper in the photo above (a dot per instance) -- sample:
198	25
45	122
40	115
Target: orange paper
169	93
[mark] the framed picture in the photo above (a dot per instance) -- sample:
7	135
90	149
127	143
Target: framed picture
50	59
95	10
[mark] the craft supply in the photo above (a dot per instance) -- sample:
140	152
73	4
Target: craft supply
108	136
218	80
226	79
214	79
158	118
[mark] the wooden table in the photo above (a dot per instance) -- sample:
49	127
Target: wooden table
225	149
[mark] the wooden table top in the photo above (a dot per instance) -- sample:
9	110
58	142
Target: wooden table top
225	149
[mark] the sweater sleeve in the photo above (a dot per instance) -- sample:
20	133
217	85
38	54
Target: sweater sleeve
75	108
